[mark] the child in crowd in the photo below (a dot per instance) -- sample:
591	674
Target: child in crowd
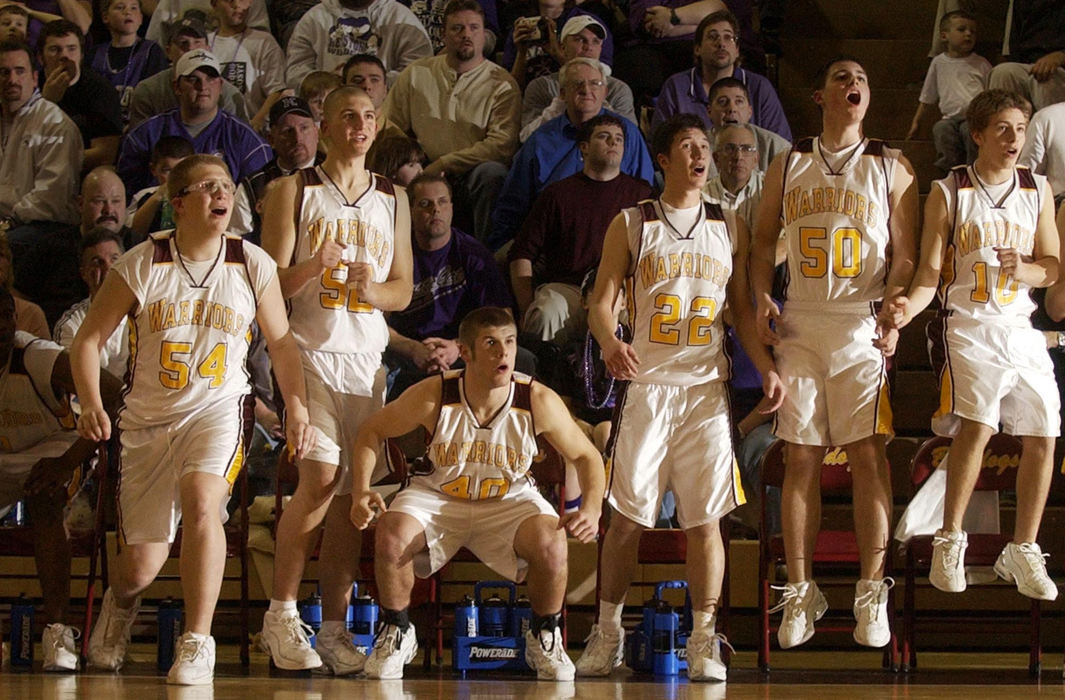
14	21
252	60
955	77
315	87
150	209
397	157
128	59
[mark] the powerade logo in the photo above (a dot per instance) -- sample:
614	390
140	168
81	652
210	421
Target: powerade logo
682	653
486	653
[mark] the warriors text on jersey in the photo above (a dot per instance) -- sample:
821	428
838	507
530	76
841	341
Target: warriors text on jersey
475	462
326	314
676	292
983	218
29	409
190	329
836	221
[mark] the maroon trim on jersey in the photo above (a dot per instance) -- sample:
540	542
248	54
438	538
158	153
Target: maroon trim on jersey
647	210
714	212
612	441
235	250
804	145
961	179
384	185
449	391
1025	179
522	395
875	147
161	250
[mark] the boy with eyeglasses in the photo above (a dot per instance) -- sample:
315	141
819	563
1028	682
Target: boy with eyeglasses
192	294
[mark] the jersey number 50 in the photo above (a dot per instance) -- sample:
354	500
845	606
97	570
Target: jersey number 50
846	252
663	324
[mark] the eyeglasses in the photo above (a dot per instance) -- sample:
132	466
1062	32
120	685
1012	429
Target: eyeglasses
732	149
211	187
715	38
576	84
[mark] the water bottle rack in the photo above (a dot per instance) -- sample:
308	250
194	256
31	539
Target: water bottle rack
490	633
659	644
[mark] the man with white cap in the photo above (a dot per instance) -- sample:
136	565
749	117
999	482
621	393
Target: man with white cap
197	84
582	36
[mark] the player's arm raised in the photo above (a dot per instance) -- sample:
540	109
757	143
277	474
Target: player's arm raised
279	238
619	356
417	406
285	360
763	250
558	428
114	300
743	318
394	293
1042	269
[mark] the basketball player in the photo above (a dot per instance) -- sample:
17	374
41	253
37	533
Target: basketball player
477	493
844	202
680	261
191	294
989	238
341	238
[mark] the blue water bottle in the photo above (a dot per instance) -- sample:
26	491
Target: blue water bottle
494	617
364	615
664	641
521	617
311	613
466	617
22	632
169	621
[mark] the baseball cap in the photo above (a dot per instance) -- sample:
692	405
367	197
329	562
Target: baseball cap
193	23
578	22
289	105
197	59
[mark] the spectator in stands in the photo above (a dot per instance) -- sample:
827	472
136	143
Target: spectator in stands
315	87
582	36
552	152
127	59
397	157
150	209
199	119
738	183
717	56
39	457
29	317
255	65
40	160
1037	49
335	29
294	139
731	104
1044	147
474	140
155	94
80	91
562	237
368	72
534	47
14	21
41	12
100	248
431	14
955	77
168	14
103	204
453	274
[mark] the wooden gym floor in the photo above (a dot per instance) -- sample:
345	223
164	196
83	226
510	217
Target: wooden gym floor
816	675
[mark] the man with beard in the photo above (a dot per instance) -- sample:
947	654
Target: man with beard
473	141
103	203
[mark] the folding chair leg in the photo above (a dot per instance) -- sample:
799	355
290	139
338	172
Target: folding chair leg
1035	646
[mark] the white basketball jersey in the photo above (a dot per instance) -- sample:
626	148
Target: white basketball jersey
190	331
326	315
29	409
836	222
474	462
971	283
676	292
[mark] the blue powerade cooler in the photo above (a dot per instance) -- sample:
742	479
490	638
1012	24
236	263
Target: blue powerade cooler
659	644
490	632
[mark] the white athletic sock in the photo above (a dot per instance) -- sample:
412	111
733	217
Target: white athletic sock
703	622
610	616
277	606
332	628
198	637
